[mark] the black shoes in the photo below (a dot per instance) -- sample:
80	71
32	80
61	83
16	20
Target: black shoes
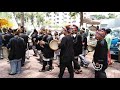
35	55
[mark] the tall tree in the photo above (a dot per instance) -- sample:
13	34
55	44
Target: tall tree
22	18
74	14
98	17
7	15
40	18
17	16
81	18
111	15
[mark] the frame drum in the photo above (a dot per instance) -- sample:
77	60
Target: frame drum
90	48
54	45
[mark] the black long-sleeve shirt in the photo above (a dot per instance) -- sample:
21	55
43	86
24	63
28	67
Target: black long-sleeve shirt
17	48
77	45
101	50
66	46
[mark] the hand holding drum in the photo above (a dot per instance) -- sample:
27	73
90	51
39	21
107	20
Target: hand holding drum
42	42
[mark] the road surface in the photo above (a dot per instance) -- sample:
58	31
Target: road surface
32	67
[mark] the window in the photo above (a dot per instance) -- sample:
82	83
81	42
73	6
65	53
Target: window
65	21
57	22
57	18
65	17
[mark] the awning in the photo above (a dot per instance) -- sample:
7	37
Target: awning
90	21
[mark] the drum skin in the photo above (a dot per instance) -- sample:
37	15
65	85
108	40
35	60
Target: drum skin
54	44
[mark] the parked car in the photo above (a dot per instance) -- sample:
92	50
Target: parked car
115	40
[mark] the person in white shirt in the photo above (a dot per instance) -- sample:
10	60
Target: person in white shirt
61	36
108	38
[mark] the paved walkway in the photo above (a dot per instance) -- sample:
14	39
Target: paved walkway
32	67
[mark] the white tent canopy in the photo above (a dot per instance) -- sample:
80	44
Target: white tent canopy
90	21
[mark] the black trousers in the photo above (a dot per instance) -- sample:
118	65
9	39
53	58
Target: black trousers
76	64
70	69
23	59
45	63
101	73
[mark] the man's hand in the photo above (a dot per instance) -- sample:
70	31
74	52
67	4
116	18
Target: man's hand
97	64
59	42
42	43
83	43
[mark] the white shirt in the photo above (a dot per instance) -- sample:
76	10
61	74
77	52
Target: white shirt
61	36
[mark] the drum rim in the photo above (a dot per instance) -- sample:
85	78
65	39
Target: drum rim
89	48
50	44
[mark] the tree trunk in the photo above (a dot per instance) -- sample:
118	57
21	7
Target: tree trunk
81	19
22	18
15	17
32	17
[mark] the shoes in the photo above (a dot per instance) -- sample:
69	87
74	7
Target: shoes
50	69
110	63
81	65
1	57
41	70
12	73
86	66
35	55
78	71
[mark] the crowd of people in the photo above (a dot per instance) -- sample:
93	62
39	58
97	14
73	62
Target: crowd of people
72	45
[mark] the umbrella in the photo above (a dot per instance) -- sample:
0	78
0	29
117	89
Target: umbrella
5	23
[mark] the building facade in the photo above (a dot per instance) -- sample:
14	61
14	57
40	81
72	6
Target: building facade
62	18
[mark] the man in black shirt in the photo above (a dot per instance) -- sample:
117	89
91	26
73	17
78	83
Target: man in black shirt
8	36
100	54
25	37
66	53
17	49
77	46
48	53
